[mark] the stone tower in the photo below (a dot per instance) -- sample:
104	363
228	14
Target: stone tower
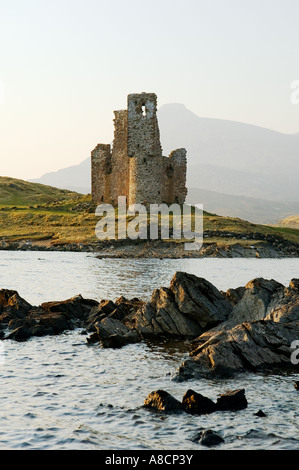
135	166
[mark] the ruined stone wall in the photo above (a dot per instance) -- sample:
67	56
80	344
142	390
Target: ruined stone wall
174	177
101	173
144	149
179	162
120	162
135	167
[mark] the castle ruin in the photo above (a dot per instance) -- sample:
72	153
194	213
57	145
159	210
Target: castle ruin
134	167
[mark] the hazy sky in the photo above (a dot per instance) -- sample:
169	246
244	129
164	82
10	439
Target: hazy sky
65	65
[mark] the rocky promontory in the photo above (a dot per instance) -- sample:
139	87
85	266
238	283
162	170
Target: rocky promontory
216	244
251	328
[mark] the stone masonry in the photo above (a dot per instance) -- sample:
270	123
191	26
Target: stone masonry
135	167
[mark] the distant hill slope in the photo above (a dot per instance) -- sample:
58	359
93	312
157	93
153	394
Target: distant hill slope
231	157
258	211
227	159
16	192
74	178
290	222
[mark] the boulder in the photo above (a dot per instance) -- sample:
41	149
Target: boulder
248	347
232	400
12	306
285	307
160	400
255	301
98	312
21	333
195	403
162	317
39	323
184	310
199	299
112	333
78	308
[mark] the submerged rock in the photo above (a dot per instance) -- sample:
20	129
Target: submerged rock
208	438
260	414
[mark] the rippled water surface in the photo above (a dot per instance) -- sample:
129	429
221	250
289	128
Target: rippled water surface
59	393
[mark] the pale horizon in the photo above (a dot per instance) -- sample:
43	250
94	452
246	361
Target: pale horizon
67	65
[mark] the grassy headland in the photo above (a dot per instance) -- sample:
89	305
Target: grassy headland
49	216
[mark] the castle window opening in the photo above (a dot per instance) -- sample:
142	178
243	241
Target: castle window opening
143	110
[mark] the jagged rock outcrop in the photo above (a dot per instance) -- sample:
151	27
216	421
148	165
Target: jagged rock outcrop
188	307
21	320
255	301
250	328
249	346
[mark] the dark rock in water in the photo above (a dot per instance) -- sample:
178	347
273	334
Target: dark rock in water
77	307
260	414
39	323
296	385
160	400
232	400
208	438
120	340
112	333
254	303
223	344
199	299
12	306
100	311
196	403
22	333
252	347
184	310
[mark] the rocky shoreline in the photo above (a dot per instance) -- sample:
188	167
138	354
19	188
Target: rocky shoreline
248	329
233	245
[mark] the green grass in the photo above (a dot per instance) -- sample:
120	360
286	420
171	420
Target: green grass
16	192
36	212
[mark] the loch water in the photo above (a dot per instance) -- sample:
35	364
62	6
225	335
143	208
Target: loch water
59	393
